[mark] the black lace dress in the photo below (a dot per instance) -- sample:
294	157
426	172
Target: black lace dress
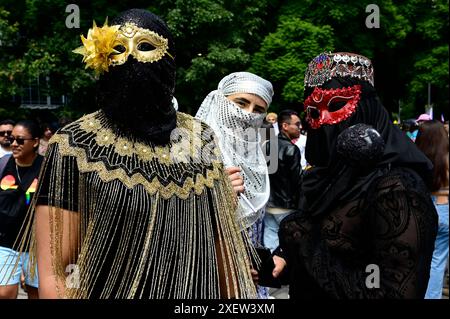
378	245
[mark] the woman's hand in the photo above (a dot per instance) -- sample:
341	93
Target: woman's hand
255	276
280	263
236	179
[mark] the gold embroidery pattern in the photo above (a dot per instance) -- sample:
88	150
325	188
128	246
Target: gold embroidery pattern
152	157
90	124
104	137
124	147
170	154
143	151
163	155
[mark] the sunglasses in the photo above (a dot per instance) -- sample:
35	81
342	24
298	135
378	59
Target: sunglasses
19	140
7	133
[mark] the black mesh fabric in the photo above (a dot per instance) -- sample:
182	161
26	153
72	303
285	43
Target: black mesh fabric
137	96
392	227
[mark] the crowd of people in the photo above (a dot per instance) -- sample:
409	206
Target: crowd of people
139	200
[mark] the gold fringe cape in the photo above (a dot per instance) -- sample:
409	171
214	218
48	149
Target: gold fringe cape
150	218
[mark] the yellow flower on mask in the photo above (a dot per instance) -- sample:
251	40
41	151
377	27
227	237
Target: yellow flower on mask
97	47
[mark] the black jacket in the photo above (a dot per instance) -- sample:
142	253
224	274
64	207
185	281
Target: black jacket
285	182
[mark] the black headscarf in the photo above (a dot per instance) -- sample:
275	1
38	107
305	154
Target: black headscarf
332	178
137	96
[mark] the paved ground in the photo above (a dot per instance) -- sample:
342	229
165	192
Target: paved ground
22	294
281	293
445	289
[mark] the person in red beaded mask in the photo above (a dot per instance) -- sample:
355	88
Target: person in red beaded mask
366	223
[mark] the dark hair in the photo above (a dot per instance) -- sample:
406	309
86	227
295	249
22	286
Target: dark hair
285	117
32	127
53	126
409	125
7	122
432	140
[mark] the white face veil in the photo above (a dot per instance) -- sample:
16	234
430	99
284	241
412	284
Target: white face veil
239	139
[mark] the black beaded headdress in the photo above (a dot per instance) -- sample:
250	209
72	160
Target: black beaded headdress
328	65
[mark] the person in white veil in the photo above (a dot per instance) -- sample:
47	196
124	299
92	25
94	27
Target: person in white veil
235	112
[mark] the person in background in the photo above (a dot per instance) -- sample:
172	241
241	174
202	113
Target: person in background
272	119
18	183
432	140
300	142
410	128
423	118
6	127
285	182
49	130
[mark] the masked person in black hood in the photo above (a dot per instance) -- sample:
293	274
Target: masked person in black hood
366	225
138	92
134	201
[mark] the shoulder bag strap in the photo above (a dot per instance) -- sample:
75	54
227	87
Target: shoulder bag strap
3	161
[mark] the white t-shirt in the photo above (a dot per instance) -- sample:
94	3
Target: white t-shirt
3	152
301	143
275	127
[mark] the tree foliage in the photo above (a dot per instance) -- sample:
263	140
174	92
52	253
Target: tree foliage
409	50
214	38
285	54
273	38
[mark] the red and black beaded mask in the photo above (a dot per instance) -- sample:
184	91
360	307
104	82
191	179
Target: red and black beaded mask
331	106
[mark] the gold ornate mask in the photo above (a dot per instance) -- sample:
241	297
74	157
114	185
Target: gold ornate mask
145	45
112	45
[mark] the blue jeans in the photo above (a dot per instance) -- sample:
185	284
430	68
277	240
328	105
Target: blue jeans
440	255
271	226
12	264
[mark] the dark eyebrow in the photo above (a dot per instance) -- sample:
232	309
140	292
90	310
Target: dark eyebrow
242	100
260	108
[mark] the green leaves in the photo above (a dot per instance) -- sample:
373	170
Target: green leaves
275	39
285	54
213	38
8	31
187	18
409	49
